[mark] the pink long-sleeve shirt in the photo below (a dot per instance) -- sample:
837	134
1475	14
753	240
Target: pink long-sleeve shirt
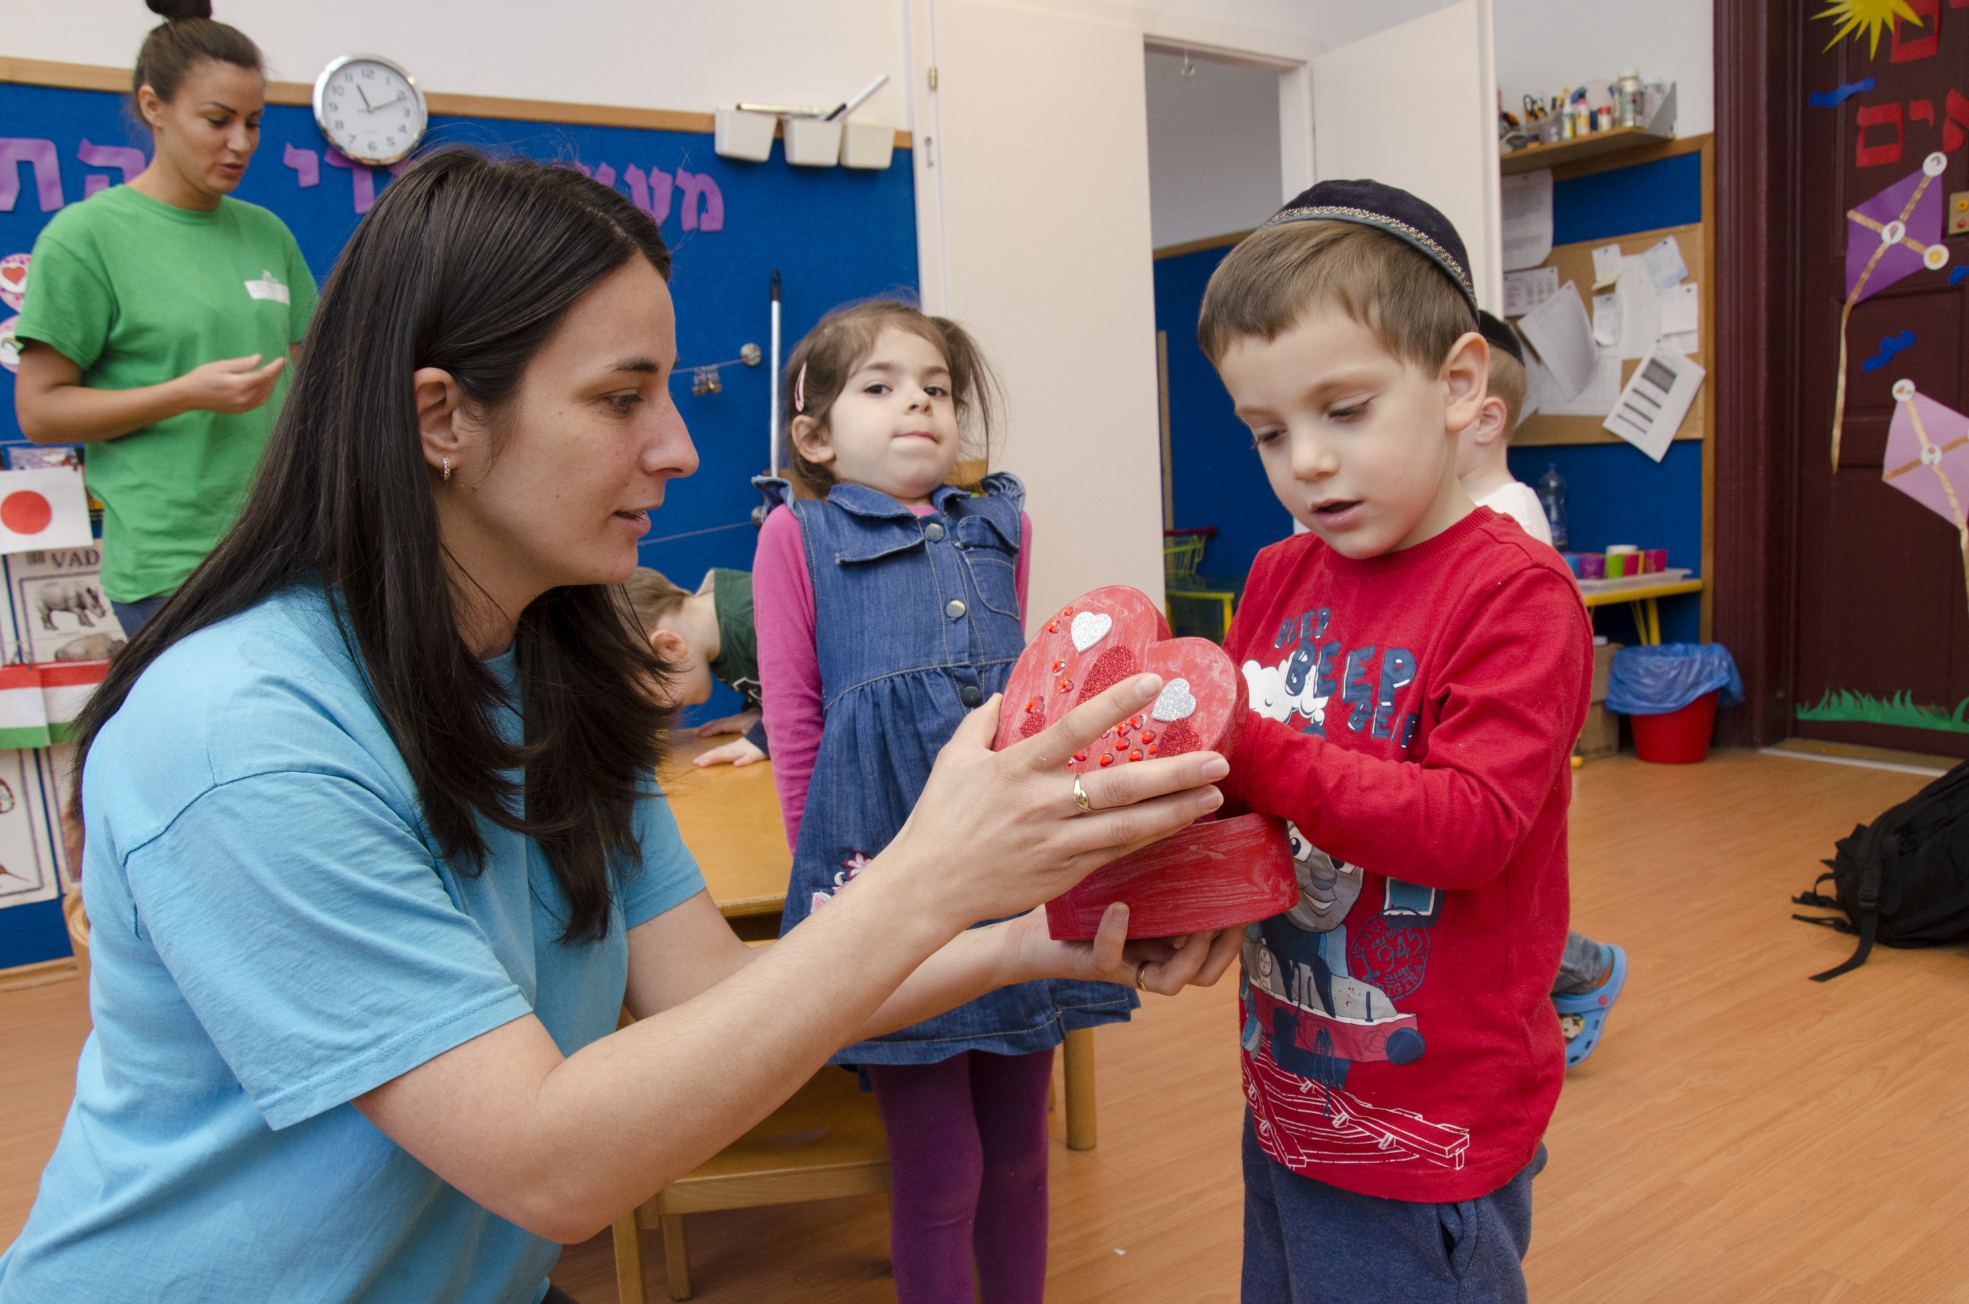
789	662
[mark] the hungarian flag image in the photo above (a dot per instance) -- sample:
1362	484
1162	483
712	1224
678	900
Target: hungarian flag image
44	508
23	713
65	687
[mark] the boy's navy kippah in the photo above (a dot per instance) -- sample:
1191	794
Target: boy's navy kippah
1413	221
1501	336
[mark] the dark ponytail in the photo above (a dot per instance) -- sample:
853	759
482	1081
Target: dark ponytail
185	38
469	265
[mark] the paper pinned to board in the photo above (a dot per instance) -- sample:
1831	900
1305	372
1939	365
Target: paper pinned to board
1681	309
1640	308
1606	319
1665	265
1524	291
1606	266
1689	342
1598	396
1527	211
1656	399
1559	330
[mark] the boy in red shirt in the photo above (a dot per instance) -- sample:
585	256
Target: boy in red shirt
1418	669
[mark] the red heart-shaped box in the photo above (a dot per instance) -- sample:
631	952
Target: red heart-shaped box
1213	874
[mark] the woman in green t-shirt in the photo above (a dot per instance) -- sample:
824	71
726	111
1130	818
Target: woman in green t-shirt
162	315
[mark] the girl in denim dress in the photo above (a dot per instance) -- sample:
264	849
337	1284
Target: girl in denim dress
889	605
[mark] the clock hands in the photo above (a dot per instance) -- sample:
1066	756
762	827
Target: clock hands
365	98
367	108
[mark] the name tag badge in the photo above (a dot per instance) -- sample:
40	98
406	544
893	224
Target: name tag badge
268	287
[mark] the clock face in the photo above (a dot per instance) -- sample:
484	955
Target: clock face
369	108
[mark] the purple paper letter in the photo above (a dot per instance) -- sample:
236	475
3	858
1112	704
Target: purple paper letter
650	192
306	164
365	179
16	150
129	161
696	185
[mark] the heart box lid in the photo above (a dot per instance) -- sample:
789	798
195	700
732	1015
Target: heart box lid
1213	874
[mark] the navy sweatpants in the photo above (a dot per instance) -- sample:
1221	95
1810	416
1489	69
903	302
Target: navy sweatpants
1309	1243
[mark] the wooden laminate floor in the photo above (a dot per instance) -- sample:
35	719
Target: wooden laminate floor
1742	1134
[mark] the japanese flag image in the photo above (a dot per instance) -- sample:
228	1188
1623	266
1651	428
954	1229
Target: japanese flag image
43	509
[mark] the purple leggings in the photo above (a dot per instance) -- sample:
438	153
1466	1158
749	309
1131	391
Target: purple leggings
968	1152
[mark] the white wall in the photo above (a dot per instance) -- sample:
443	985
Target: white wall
1213	147
1544	45
668	56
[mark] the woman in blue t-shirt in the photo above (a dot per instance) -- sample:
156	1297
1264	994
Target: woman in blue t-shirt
375	854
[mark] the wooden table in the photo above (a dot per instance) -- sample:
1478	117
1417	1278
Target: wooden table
1641	601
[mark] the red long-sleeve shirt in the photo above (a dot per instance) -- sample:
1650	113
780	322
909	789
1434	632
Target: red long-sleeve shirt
1414	715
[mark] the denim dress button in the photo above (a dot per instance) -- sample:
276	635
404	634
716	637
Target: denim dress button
970	695
933	532
955	609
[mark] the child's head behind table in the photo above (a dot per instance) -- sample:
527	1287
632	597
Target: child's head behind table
1346	332
883	395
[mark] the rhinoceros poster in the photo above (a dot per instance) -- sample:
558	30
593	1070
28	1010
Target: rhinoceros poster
59	610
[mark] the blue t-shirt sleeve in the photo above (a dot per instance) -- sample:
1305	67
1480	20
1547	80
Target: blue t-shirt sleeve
670	874
310	932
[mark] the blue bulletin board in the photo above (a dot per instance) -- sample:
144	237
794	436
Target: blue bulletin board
834	235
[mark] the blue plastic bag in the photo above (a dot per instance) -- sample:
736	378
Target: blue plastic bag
1668	676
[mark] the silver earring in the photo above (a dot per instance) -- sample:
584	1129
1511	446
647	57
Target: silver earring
447	467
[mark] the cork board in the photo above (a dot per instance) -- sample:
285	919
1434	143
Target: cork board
1575	264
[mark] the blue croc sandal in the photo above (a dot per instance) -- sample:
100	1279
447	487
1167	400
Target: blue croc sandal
1583	1018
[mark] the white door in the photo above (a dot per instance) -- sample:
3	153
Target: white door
1033	231
1416	106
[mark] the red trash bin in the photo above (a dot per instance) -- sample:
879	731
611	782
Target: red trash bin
1677	737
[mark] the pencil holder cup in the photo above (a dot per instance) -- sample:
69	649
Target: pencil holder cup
739	134
813	142
867	145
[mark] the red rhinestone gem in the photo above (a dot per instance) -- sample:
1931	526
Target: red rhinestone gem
1151	751
1107	759
1059	665
1033	705
1053	628
1065	685
1134	756
1147	737
1080	756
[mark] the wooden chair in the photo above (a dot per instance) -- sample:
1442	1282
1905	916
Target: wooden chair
826	1141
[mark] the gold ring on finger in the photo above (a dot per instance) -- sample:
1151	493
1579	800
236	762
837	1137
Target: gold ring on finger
1080	797
1142	976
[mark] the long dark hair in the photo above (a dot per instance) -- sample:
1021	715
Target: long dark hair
466	264
186	38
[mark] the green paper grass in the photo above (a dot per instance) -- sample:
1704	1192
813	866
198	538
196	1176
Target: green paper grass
1901	709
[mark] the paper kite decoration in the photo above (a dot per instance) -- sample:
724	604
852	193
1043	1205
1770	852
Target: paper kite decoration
1928	458
1893	235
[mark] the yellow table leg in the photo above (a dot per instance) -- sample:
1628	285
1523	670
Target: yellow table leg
628	1260
1080	1089
1647	619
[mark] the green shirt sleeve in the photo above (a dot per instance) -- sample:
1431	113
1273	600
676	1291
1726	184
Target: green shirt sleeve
301	290
70	306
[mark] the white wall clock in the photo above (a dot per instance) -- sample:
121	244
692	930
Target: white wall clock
370	109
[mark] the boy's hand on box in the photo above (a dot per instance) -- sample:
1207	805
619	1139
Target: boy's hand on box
1164	965
740	753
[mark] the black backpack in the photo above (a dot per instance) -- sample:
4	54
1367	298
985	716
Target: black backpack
1902	880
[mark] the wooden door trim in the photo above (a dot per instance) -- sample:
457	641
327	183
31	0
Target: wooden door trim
1757	237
